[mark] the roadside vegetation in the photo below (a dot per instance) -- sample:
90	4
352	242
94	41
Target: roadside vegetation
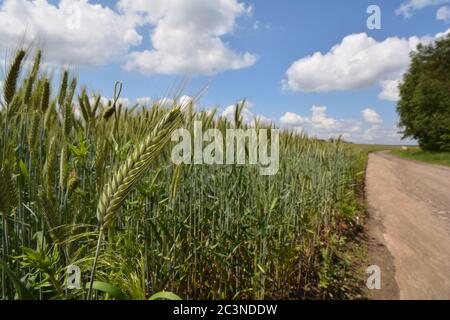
424	107
439	158
91	184
407	152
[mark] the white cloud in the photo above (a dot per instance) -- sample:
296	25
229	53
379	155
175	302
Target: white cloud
372	133
358	62
443	14
144	101
369	129
372	117
293	119
258	25
247	115
442	34
125	102
320	125
390	90
406	9
186	38
320	120
166	102
378	134
185	102
73	32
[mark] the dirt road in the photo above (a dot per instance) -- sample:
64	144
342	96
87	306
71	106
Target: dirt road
409	210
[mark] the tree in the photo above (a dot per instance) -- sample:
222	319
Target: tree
424	105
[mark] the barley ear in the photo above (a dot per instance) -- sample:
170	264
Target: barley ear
45	99
68	116
9	189
63	88
131	171
116	191
12	77
31	78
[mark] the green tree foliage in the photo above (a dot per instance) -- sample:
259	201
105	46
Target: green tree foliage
424	107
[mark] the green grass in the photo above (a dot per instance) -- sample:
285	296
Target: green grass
367	148
440	158
412	152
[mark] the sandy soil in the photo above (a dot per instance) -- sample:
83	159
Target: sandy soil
409	223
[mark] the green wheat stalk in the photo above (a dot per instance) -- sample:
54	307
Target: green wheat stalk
116	191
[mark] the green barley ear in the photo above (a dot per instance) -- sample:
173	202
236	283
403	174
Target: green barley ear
9	189
131	171
4	200
96	105
72	183
32	77
238	114
68	116
62	168
12	77
48	115
35	122
50	165
45	99
36	64
63	88
87	104
83	109
116	191
109	112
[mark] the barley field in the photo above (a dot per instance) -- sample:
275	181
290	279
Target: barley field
91	184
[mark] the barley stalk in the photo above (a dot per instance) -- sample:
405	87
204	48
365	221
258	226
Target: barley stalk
116	191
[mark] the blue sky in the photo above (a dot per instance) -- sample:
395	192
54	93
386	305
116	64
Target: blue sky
252	46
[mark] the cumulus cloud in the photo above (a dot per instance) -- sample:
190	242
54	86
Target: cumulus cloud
293	119
368	129
407	8
321	125
248	116
371	116
144	101
186	36
320	120
378	134
390	90
443	14
358	62
317	120
74	32
375	132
